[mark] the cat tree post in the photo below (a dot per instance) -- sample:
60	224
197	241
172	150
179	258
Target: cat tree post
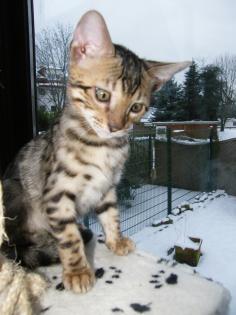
19	290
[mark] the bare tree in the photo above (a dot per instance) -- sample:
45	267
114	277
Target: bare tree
227	65
52	54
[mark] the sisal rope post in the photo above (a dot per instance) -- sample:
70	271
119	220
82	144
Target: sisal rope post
19	290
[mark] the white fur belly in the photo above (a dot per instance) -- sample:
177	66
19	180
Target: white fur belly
92	192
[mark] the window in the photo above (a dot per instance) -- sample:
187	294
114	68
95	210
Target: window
201	31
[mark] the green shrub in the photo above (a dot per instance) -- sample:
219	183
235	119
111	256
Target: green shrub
45	118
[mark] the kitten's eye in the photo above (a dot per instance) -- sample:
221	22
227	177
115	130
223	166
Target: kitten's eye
102	95
136	108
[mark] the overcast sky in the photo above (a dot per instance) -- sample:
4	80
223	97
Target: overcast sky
156	29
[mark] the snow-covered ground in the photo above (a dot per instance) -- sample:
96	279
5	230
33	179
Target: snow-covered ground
213	219
227	134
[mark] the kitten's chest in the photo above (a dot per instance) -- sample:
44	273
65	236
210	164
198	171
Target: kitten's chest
104	171
109	161
111	164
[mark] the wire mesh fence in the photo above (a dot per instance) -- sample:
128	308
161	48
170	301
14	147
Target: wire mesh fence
161	173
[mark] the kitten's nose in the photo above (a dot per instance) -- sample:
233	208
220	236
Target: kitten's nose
113	127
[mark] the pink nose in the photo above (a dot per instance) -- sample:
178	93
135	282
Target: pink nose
113	127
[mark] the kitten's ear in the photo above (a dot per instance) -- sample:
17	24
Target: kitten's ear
164	71
91	37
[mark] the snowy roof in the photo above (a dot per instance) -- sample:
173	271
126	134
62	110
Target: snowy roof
192	122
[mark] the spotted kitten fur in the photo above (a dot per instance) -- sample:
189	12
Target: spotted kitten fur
75	167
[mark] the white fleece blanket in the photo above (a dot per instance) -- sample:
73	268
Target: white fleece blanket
137	284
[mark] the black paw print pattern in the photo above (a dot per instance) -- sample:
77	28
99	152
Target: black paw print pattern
59	286
137	307
160	278
100	239
114	274
140	308
99	273
172	279
117	310
156	282
157	279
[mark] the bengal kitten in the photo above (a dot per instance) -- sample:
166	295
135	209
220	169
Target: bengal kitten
75	167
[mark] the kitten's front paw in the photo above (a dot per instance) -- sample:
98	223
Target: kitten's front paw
79	282
122	247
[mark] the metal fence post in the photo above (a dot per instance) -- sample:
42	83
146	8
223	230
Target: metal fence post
150	153
169	171
210	175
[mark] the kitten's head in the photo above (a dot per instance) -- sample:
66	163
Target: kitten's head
108	84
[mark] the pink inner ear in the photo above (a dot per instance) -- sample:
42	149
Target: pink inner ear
91	37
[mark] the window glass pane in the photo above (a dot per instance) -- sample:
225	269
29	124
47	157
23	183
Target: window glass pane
51	45
160	30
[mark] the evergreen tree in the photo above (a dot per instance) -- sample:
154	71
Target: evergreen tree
211	87
197	99
192	92
169	102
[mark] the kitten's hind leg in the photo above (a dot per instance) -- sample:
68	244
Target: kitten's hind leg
108	215
32	250
38	249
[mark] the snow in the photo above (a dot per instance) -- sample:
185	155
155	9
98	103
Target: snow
162	222
176	211
182	139
227	134
213	219
149	115
185	242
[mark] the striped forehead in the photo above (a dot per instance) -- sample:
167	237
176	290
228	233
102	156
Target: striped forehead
124	66
132	69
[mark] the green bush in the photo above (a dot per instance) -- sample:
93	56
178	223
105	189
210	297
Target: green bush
45	118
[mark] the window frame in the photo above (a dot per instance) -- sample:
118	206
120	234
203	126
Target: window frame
17	78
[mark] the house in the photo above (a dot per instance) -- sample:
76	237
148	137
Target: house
51	88
230	123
